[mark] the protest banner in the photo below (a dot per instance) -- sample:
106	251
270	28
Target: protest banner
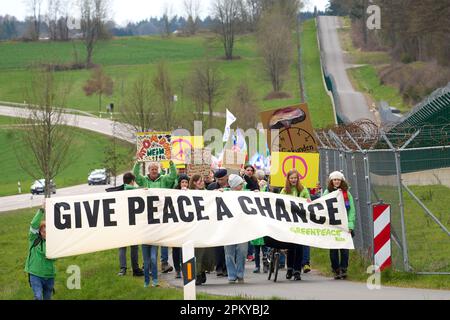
307	164
163	217
153	146
290	129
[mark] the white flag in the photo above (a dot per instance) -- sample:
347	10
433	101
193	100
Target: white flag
230	120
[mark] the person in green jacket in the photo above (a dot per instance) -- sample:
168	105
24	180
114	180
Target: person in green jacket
41	271
339	264
294	187
154	179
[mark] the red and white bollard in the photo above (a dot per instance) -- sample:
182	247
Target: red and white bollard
382	236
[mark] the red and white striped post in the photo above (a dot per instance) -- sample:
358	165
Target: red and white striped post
382	236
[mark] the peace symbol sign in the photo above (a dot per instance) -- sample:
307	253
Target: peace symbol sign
183	145
291	163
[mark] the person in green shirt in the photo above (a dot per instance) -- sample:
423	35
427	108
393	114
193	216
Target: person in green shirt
41	271
339	257
129	184
293	187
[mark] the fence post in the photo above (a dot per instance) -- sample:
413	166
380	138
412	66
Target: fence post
398	167
402	208
368	185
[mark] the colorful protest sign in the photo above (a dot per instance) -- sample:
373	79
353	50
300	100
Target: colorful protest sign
307	164
153	146
98	222
290	130
181	147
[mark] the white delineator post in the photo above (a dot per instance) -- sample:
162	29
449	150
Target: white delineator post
382	236
189	272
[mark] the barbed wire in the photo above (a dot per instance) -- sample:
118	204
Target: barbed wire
367	135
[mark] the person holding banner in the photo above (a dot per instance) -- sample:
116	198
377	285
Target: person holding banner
204	256
293	187
339	257
128	184
154	180
41	271
221	177
235	254
183	184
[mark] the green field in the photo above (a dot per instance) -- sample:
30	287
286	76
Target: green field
365	78
98	270
428	245
367	81
87	154
125	58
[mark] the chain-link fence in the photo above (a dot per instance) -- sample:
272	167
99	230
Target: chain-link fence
419	199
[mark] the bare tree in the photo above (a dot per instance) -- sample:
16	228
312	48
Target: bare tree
164	91
35	7
206	87
192	10
167	20
275	45
48	138
100	84
53	11
138	109
94	13
226	13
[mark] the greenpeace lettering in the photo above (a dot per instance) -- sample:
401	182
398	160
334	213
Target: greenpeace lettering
91	223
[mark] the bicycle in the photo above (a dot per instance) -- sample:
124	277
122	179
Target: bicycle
273	258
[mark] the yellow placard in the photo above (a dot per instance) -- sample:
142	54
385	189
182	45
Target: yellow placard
182	146
307	164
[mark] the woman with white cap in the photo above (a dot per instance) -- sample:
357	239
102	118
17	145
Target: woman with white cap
235	254
339	257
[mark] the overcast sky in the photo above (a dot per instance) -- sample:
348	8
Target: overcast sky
135	10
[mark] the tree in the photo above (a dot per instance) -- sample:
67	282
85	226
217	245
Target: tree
167	21
34	7
244	107
112	159
94	13
48	137
206	87
138	109
192	10
164	92
275	45
100	84
226	13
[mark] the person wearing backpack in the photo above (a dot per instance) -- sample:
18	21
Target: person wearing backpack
41	271
340	257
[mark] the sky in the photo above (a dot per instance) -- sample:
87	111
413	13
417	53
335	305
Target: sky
136	10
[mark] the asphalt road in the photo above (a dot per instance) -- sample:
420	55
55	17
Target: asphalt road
353	103
312	287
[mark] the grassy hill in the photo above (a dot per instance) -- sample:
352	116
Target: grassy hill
87	154
125	58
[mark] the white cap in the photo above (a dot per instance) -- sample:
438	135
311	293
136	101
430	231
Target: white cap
235	181
337	175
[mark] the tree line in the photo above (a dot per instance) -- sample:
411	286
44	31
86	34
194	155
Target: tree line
411	30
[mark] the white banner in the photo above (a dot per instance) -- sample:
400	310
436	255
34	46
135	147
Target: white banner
90	223
230	120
